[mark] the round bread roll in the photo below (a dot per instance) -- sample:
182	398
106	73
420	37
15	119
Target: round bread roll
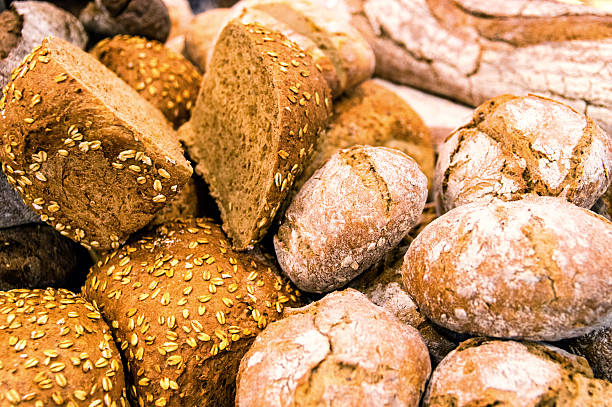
164	78
537	268
340	351
484	372
348	215
518	146
185	308
596	347
57	351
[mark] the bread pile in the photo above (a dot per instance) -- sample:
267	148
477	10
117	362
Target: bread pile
243	216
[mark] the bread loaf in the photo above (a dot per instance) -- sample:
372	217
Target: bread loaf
332	353
517	146
14	211
348	215
185	308
164	78
94	159
532	269
56	350
186	204
596	348
201	33
486	372
258	116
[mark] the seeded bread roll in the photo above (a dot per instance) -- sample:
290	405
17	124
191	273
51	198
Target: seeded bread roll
348	215
201	33
258	116
197	304
57	351
36	256
516	146
186	204
341	351
93	158
484	372
596	347
166	79
25	25
546	277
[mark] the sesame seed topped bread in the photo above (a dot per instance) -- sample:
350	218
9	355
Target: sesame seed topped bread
258	116
92	157
164	78
56	351
185	308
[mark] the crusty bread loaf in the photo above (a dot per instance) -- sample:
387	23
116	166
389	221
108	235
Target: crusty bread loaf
164	78
596	348
340	351
93	158
484	372
258	116
348	215
532	269
185	308
201	33
517	146
56	350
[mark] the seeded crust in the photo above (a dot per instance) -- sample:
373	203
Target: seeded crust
185	308
341	351
164	78
258	116
57	351
486	372
532	269
516	146
81	147
186	204
596	347
348	215
200	35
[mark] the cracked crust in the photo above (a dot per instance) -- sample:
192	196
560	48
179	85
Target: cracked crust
348	215
516	146
530	269
485	372
331	353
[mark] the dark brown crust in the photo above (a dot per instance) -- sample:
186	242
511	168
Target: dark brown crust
196	305
596	347
11	24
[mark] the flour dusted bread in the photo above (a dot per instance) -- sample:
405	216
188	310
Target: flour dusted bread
185	308
94	159
537	269
257	119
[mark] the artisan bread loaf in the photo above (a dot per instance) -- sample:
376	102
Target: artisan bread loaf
485	372
185	308
537	269
258	116
596	348
56	350
164	78
517	146
332	352
348	215
93	158
201	34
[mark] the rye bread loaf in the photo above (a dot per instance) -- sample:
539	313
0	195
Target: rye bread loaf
518	146
166	79
37	256
14	211
185	308
56	350
258	116
93	158
596	348
348	215
485	372
332	352
25	25
472	51
201	33
537	269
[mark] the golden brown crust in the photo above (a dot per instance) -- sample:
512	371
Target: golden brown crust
56	350
185	308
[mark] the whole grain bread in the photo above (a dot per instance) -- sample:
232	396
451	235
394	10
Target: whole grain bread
258	116
93	158
518	146
529	269
332	352
185	308
166	79
348	215
596	348
201	33
186	204
56	350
